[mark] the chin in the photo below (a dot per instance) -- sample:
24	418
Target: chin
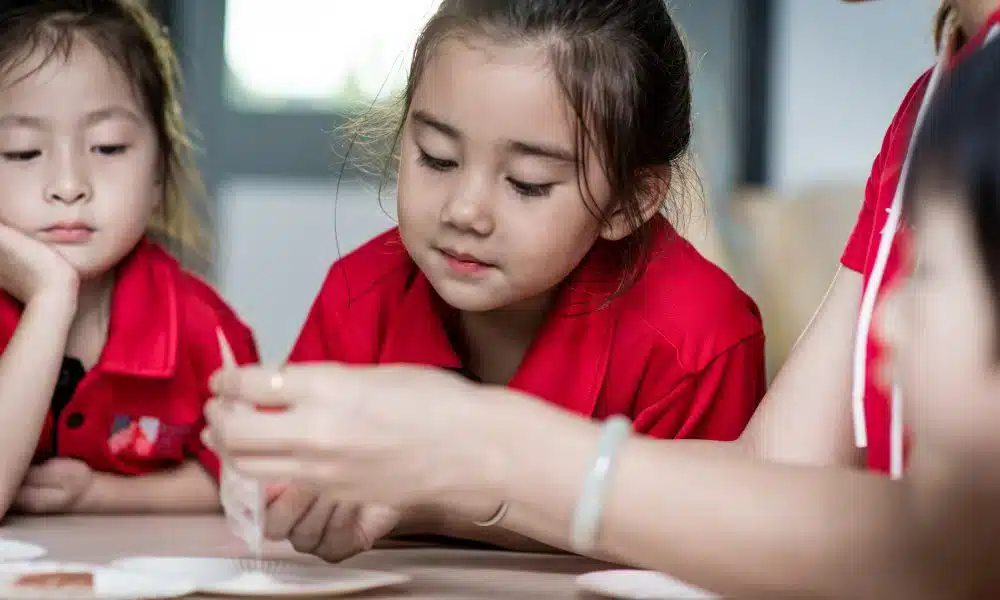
467	298
88	268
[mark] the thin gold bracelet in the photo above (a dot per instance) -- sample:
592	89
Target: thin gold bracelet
496	518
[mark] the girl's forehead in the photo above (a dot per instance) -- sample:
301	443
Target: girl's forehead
58	79
495	90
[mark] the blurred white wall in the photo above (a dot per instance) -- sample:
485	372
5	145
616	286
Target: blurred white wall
278	238
839	73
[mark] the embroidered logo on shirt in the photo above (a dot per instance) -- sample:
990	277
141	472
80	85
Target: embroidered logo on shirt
146	437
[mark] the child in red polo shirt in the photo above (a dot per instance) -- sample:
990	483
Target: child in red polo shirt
532	249
107	342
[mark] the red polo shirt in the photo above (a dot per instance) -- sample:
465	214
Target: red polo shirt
139	409
681	352
862	247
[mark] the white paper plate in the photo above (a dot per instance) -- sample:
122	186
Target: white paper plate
15	550
639	585
109	583
227	577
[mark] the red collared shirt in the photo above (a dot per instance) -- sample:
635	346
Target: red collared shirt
139	409
681	352
862	246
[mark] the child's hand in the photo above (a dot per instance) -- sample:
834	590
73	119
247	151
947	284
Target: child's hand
55	486
29	268
317	523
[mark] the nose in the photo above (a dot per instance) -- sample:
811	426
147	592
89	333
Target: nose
469	207
69	182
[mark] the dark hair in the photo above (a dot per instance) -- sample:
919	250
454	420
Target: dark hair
623	67
125	32
958	149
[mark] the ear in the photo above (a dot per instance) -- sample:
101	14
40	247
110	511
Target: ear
652	188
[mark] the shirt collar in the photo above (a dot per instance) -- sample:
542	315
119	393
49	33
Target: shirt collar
143	328
567	361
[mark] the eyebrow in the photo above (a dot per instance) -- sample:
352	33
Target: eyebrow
91	118
518	147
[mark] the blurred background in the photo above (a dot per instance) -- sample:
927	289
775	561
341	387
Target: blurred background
792	98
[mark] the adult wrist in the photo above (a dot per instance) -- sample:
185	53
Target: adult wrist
588	513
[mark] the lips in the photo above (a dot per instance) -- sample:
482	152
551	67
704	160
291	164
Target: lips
68	232
464	257
464	263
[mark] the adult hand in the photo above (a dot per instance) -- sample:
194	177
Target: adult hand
391	435
319	523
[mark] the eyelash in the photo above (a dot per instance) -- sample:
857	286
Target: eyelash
528	190
21	156
28	155
111	149
436	164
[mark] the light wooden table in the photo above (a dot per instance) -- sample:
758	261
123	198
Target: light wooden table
438	573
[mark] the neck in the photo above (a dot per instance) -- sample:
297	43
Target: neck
89	331
95	294
496	341
973	14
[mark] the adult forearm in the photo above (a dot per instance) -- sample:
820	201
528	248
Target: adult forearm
720	520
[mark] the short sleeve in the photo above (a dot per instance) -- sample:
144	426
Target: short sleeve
887	164
714	403
856	252
318	339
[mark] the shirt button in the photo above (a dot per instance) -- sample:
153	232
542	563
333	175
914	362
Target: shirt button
74	421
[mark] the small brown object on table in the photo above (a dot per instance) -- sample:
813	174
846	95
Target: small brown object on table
56	580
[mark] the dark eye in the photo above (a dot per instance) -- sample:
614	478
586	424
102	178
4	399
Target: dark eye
22	155
434	163
531	190
110	149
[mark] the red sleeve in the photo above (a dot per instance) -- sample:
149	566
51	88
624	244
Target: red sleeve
715	403
888	163
856	252
319	338
241	340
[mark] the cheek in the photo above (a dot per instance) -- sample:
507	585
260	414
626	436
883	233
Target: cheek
133	182
947	373
129	195
418	193
20	197
561	229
